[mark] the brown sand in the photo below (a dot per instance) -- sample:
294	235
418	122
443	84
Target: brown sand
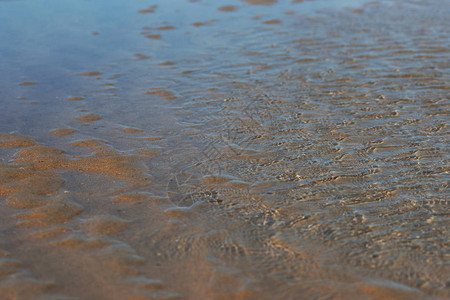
63	131
132	130
89	117
228	8
168	95
28	83
299	161
93	73
272	22
76	98
141	56
260	2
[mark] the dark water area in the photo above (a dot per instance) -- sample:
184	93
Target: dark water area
253	149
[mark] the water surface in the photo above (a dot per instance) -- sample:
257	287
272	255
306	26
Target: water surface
255	149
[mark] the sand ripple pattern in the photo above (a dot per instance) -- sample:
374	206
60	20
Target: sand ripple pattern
281	152
55	224
350	153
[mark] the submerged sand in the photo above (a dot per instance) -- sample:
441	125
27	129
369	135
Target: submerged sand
241	150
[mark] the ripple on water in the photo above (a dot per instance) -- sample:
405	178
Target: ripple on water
301	155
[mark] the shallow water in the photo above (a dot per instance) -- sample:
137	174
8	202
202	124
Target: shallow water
254	149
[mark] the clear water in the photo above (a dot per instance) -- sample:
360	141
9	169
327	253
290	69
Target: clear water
255	149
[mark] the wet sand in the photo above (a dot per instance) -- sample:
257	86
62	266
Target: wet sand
234	150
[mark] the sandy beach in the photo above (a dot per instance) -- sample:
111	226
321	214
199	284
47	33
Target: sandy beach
238	149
